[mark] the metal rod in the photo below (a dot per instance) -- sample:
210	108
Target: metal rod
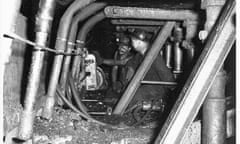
97	113
159	83
195	90
89	100
60	45
137	22
43	28
149	13
144	67
80	16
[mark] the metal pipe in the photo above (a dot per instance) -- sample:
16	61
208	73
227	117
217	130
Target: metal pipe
168	55
159	83
214	112
149	13
178	52
60	45
81	38
200	80
43	28
137	22
178	58
143	68
214	107
97	113
80	16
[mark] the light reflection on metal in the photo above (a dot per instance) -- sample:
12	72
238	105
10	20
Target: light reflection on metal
159	83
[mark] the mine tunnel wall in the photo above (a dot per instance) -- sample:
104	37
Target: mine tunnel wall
14	78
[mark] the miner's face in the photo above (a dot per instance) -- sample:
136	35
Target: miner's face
139	45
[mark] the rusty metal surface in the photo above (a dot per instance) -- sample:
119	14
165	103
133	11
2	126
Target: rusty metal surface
143	68
149	13
195	90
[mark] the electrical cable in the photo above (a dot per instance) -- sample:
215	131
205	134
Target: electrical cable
140	120
76	95
68	93
70	105
131	108
58	52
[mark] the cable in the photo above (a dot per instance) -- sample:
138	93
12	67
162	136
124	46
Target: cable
131	108
58	52
76	96
70	105
139	120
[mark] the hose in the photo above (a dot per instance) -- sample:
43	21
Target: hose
80	16
76	95
140	120
70	105
81	38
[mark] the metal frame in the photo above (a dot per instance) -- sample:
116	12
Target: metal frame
196	88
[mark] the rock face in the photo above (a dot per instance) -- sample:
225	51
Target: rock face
13	80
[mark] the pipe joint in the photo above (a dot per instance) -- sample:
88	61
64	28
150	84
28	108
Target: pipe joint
25	128
48	110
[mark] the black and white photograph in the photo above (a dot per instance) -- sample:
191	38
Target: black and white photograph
119	72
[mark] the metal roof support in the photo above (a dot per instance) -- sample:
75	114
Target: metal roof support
196	88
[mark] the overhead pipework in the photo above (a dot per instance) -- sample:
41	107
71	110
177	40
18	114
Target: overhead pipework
150	13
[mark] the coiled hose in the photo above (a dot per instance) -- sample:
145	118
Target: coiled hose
87	117
76	95
137	118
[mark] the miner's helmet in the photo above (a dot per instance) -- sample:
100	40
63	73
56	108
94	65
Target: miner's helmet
140	35
140	40
123	39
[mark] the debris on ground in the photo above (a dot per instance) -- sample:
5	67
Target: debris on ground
68	127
